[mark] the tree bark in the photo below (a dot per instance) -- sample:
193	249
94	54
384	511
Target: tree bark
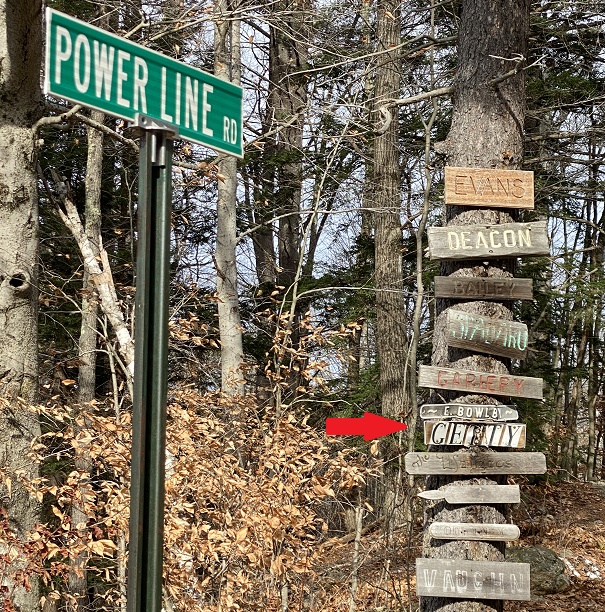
486	131
227	66
20	106
87	345
288	100
596	307
87	342
391	331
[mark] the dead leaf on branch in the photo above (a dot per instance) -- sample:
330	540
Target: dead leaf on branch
103	548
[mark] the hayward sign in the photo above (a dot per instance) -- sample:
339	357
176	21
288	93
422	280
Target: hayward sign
92	67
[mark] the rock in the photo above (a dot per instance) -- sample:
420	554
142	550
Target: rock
547	568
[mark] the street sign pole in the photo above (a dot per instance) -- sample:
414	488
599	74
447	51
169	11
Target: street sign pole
164	98
145	560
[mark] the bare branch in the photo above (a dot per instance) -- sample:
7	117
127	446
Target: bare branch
57	119
520	59
73	113
427	95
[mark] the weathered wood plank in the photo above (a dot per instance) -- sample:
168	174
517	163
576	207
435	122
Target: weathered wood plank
475	463
480	288
469	412
494	188
486	334
472	579
475	494
488	241
469	381
455	433
474	531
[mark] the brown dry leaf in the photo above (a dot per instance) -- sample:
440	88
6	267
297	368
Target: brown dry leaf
241	534
58	513
103	548
53	549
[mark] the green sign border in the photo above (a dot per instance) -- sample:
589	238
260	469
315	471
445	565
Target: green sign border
228	94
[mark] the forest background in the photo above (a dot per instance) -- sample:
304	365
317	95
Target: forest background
300	290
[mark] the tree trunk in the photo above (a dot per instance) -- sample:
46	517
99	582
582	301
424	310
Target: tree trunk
578	338
20	106
486	131
288	100
87	346
391	329
87	343
596	303
227	67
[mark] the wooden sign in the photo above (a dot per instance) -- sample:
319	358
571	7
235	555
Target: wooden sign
481	288
474	463
468	381
455	433
488	241
474	531
476	494
494	188
486	334
468	411
472	579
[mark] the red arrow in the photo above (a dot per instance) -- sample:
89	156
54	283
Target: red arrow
370	426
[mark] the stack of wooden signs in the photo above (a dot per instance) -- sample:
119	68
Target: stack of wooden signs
471	425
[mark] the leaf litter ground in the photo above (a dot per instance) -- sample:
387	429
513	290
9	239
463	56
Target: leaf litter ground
567	517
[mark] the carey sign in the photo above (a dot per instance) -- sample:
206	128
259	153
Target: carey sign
90	66
468	381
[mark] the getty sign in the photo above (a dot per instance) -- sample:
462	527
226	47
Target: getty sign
90	66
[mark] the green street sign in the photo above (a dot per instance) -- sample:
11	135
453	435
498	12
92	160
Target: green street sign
92	67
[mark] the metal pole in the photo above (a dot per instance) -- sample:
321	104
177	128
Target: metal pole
145	558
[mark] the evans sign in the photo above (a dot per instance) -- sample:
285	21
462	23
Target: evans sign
493	187
92	67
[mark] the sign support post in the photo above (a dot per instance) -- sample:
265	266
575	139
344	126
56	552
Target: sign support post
165	99
145	560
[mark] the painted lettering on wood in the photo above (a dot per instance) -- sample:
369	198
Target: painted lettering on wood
489	187
478	288
454	433
472	579
474	531
475	494
469	381
469	411
488	241
486	334
475	463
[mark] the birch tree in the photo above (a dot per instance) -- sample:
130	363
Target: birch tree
227	66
